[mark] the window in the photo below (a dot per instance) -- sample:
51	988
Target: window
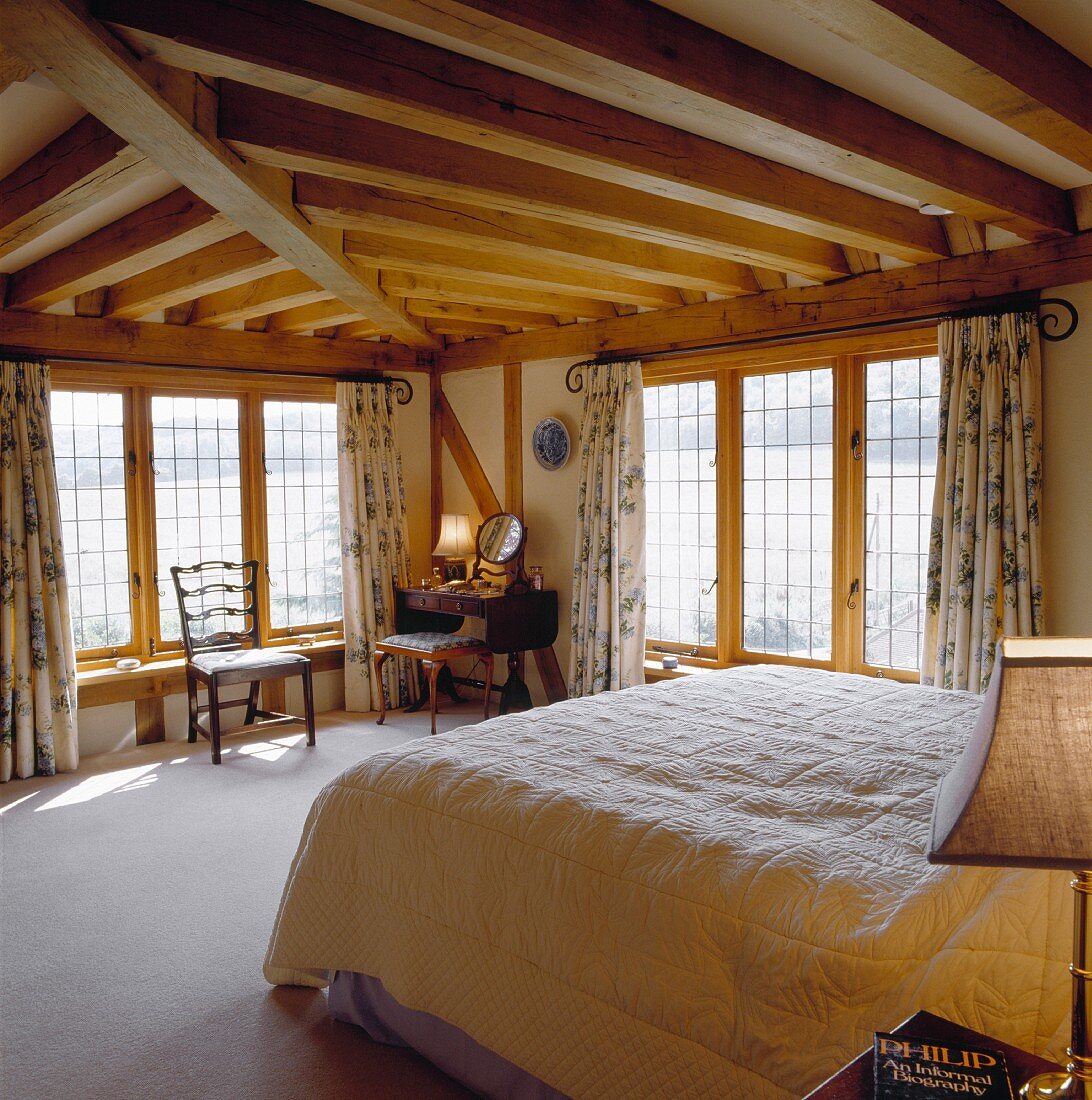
787	520
200	468
681	506
198	496
90	455
903	404
304	519
824	468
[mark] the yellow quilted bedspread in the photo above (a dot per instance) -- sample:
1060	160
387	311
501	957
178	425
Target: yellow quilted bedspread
709	888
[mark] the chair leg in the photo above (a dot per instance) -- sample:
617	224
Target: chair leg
309	704
214	718
488	680
191	700
252	702
378	657
434	668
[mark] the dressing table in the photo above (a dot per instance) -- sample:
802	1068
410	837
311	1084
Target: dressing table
517	618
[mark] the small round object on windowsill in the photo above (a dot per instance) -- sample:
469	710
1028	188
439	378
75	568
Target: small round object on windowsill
669	660
127	664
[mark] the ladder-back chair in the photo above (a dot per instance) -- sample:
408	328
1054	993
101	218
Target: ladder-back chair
219	659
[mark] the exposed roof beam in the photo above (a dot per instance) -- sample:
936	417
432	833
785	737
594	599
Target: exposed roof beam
446	288
714	84
110	340
239	259
323	56
256	299
13	68
308	317
83	166
879	296
349	205
517	318
982	53
171	115
162	231
434	259
288	133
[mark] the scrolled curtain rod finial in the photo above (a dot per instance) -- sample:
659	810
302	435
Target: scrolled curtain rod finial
1051	311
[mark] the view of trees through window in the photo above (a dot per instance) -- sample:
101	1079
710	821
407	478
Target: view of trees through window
303	516
90	456
788	457
681	513
903	404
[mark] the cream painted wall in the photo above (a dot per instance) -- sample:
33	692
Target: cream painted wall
477	398
1067	471
112	728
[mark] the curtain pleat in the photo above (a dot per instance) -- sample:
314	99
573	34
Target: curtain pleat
984	576
37	652
608	613
374	551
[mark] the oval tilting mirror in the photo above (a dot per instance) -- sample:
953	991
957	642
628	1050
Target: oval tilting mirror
500	538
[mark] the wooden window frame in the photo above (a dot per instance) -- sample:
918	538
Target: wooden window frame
847	357
138	385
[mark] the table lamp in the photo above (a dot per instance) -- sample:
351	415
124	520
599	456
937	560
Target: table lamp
454	545
1021	796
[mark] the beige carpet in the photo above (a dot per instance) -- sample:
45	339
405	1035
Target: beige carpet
136	900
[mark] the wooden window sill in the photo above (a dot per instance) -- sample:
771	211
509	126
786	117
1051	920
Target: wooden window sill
654	671
98	687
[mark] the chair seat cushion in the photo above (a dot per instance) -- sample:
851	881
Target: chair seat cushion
246	661
430	642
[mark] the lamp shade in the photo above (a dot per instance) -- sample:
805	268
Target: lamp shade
455	539
1021	793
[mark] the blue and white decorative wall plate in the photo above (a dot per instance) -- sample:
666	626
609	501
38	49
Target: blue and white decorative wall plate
550	443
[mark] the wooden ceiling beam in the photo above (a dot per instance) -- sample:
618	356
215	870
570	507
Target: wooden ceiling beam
433	259
239	259
86	164
325	57
982	53
357	330
13	69
110	340
351	206
287	133
452	327
270	294
712	84
306	318
519	318
172	115
895	295
154	234
445	288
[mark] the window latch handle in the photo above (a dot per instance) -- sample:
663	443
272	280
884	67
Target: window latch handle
854	588
855	445
712	584
136	586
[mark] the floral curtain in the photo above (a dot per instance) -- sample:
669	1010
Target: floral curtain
374	554
37	653
984	578
608	615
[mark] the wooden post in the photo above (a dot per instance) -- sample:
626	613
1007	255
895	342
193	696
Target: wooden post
513	438
436	447
150	725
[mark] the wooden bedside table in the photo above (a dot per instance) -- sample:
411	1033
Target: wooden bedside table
855	1081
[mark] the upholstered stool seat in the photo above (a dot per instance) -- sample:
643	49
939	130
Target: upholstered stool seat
433	650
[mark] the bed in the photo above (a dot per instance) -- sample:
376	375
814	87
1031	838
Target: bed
709	887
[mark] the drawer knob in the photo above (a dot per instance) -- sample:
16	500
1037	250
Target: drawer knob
458	605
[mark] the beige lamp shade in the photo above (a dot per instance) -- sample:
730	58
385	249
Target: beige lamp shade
1021	793
455	539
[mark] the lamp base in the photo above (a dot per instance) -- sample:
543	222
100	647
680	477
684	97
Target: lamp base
454	569
1056	1086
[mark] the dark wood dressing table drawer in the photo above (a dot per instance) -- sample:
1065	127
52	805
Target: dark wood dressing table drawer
422	602
461	605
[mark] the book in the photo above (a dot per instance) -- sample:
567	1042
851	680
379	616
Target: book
916	1069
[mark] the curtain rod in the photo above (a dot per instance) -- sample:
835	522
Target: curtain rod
401	387
1050	328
